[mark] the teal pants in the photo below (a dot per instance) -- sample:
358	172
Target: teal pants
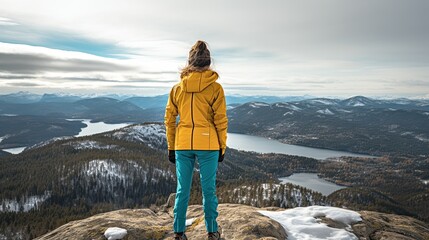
208	161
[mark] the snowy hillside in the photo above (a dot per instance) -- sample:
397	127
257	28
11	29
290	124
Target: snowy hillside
24	203
89	144
107	171
44	143
151	134
281	195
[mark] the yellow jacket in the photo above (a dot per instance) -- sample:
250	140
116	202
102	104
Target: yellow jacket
200	103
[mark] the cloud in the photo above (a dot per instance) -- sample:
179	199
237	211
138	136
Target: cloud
158	90
53	68
101	79
319	47
159	48
258	88
7	22
15	76
17	58
28	63
80	79
23	84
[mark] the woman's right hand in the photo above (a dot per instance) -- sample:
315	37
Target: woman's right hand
172	156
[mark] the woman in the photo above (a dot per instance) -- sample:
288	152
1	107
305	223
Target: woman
199	101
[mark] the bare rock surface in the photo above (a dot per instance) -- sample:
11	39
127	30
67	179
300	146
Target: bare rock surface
383	226
236	222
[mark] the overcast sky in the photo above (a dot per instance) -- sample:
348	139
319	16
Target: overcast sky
321	48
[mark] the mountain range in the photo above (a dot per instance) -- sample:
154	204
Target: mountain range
357	124
142	101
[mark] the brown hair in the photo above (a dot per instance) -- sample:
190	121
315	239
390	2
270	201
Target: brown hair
198	60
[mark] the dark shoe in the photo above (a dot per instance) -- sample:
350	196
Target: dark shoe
180	237
213	235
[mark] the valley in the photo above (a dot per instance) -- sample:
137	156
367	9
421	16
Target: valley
127	168
65	177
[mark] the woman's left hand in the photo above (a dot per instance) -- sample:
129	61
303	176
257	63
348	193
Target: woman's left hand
221	156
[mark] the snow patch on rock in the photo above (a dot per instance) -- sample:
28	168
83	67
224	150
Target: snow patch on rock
4	137
305	222
422	138
114	233
293	107
325	111
190	221
343	110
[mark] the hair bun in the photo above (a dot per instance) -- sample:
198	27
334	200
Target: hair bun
201	46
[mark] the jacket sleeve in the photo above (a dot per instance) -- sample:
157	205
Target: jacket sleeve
170	119
220	118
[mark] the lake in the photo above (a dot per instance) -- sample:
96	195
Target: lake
97	127
313	182
91	128
307	180
265	145
234	140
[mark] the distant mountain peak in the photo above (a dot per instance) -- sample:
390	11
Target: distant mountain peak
357	101
258	104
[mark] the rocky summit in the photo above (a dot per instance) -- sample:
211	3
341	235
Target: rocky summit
236	221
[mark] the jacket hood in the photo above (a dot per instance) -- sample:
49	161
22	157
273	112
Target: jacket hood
198	81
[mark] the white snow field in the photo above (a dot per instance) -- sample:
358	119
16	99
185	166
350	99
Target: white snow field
304	223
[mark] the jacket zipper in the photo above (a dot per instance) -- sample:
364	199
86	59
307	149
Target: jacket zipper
192	117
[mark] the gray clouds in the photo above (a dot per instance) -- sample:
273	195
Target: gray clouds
32	63
94	79
16	76
50	68
333	46
24	84
7	22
